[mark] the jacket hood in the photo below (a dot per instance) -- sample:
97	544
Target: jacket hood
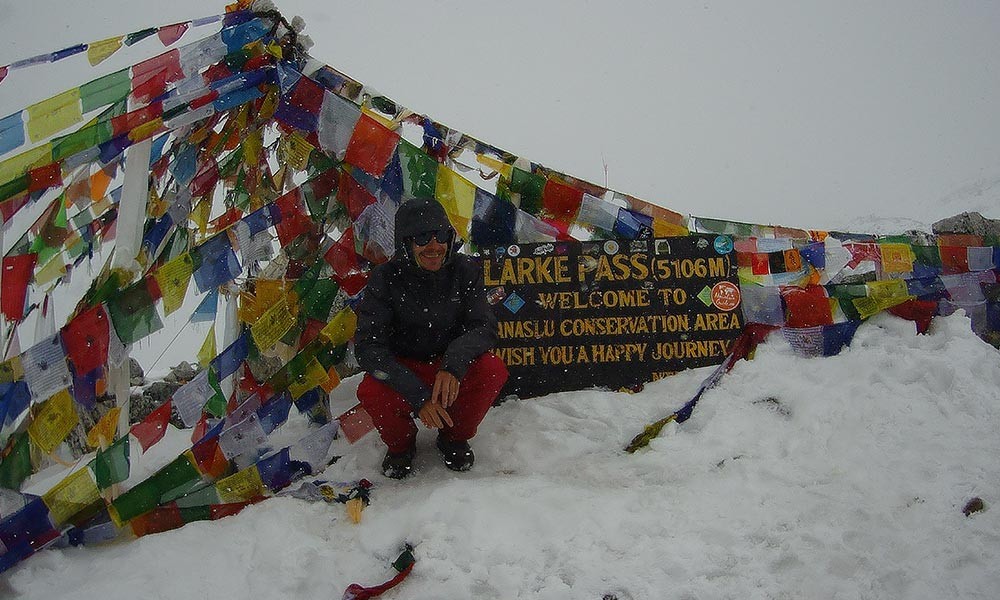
417	216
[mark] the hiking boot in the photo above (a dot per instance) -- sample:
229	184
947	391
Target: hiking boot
458	456
399	465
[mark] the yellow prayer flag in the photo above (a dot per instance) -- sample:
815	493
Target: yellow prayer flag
16	166
458	196
897	258
296	150
272	325
241	486
11	370
104	430
332	380
201	214
71	495
54	269
146	130
663	228
173	278
252	147
341	328
313	376
51	116
208	350
383	121
56	418
97	52
888	293
497	165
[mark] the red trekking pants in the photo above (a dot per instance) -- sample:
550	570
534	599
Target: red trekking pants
394	417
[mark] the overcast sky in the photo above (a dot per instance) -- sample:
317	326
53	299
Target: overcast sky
819	115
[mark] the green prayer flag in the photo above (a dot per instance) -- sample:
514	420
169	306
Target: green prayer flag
927	255
316	302
196	513
111	466
204	496
133	313
87	137
16	466
172	481
105	90
530	187
419	171
14	187
216	403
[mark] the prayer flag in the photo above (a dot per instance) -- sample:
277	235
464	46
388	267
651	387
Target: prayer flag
210	459
207	351
206	308
313	448
45	368
276	471
806	307
525	190
337	119
274	412
11	132
133	313
171	33
309	378
242	438
150	77
51	116
15	466
86	339
17	273
232	357
153	427
56	418
105	91
217	263
341	328
112	466
103	432
458	196
291	220
560	200
190	398
342	255
371	146
273	324
301	107
98	52
70	496
173	278
353	195
242	486
355	423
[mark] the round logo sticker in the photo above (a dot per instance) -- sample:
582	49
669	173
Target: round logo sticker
513	250
611	247
725	295
723	244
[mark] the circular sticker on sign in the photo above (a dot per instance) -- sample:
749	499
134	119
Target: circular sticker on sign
513	250
725	295
611	247
723	244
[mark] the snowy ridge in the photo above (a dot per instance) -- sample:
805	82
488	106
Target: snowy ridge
796	478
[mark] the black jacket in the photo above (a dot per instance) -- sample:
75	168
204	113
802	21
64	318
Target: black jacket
410	312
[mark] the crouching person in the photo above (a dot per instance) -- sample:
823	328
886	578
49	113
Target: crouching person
424	337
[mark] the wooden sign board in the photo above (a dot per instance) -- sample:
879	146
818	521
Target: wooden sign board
609	313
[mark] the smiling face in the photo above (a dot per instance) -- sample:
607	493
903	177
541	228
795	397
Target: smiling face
430	256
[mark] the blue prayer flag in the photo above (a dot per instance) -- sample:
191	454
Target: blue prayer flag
11	132
217	263
206	310
274	412
226	363
493	220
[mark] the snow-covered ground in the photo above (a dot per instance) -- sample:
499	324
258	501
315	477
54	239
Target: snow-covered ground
841	477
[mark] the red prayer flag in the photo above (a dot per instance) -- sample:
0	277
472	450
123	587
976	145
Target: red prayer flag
152	428
86	339
158	520
341	256
806	307
760	263
9	207
919	311
294	221
3	73
150	77
17	272
371	146
44	177
353	283
205	179
353	195
171	33
130	120
209	457
954	259
863	251
561	201
218	511
355	423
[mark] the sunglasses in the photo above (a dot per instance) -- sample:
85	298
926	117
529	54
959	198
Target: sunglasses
443	236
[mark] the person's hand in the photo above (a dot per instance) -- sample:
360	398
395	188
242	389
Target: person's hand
445	389
434	415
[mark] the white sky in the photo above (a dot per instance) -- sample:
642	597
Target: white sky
808	114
